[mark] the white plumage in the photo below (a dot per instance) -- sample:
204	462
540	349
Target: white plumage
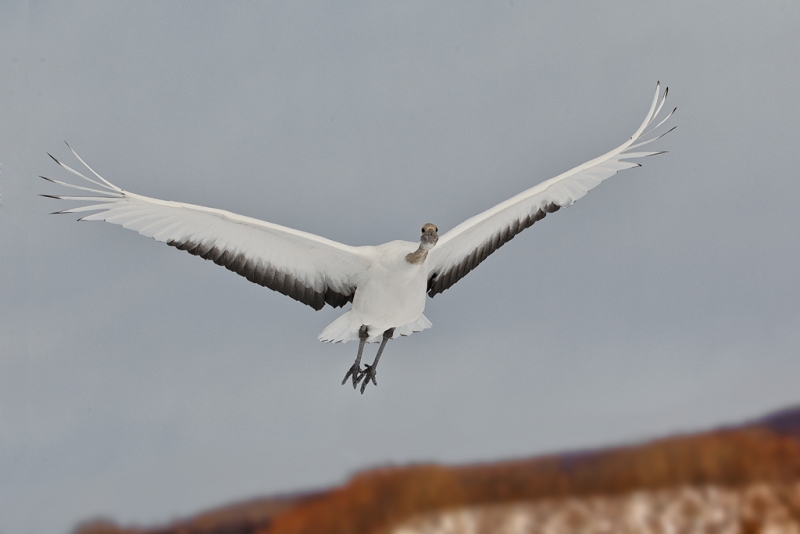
387	284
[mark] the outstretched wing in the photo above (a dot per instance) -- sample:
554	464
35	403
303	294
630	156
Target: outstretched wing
464	247
308	268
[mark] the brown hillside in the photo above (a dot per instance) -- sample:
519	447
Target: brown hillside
372	501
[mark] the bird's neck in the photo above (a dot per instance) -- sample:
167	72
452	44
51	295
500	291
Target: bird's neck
418	256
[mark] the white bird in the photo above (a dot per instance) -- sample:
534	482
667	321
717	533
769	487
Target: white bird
387	284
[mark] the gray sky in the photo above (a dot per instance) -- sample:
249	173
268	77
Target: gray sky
142	383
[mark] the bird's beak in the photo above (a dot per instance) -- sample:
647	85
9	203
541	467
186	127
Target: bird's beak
428	240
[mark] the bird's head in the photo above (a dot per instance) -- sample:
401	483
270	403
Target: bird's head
430	235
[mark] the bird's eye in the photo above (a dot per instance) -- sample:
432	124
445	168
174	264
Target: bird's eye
435	228
423	230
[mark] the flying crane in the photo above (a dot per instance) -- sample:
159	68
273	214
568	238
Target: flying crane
387	285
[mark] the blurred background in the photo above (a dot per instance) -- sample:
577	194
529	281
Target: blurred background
144	384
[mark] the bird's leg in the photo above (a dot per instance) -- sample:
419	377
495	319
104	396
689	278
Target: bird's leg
355	370
369	370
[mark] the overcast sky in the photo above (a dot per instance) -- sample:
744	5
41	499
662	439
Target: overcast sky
142	383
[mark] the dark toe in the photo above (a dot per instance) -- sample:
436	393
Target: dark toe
368	375
356	373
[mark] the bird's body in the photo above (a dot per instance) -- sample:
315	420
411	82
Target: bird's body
390	294
387	284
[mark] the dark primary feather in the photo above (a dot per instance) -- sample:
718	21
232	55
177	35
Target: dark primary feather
440	281
264	274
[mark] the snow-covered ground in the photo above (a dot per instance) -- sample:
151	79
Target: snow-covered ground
757	508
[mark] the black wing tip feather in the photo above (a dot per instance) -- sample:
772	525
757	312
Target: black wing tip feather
50	196
263	274
441	281
54	159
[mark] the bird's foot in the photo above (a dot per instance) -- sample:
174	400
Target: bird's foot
368	374
356	372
